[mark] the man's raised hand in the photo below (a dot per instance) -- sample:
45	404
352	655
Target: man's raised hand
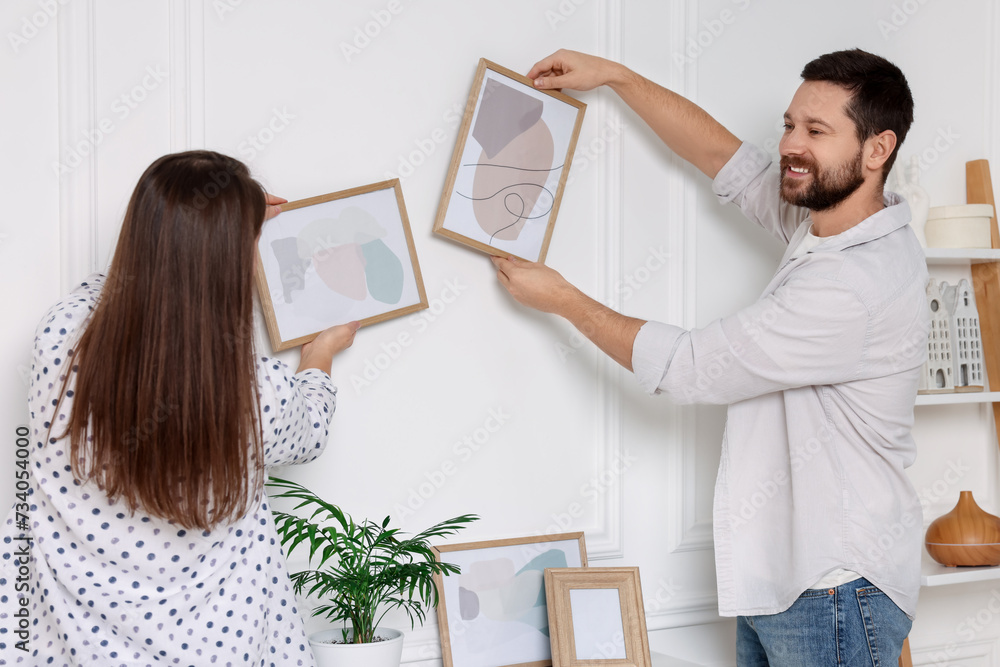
574	70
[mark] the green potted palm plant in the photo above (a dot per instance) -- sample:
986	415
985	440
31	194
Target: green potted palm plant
360	571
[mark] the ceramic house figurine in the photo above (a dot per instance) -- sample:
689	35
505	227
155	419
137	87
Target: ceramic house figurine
937	376
954	345
966	339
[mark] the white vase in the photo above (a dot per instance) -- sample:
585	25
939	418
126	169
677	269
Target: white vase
387	653
905	181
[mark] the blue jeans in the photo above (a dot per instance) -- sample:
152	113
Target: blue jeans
853	625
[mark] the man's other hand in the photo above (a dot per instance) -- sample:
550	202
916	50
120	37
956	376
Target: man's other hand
535	285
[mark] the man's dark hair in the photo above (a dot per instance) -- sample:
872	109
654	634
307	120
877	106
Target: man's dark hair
880	96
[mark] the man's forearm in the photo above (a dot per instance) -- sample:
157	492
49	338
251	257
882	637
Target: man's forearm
684	127
612	332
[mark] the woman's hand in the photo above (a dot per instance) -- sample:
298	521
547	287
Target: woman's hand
319	352
273	205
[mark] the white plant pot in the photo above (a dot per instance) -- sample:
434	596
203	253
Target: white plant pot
965	226
386	653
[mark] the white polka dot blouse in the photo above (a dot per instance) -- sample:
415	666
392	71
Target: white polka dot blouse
101	587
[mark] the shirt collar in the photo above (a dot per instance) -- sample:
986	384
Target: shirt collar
896	214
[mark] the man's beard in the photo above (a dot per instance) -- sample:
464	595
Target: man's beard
828	187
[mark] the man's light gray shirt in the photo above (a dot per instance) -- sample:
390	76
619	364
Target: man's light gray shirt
820	375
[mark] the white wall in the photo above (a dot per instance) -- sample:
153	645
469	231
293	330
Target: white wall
216	73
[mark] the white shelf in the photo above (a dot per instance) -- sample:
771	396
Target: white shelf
935	574
958	256
956	398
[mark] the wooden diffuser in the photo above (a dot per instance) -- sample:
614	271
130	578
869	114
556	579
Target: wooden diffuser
966	536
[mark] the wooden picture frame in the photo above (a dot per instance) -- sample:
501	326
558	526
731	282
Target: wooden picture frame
510	165
474	628
336	258
596	617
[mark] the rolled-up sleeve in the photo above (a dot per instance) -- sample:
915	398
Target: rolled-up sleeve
652	350
810	331
744	167
751	182
295	412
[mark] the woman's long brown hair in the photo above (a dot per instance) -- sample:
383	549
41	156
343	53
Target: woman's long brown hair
165	413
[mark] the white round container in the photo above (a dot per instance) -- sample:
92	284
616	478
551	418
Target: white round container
966	226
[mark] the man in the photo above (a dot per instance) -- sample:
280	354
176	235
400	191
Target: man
820	374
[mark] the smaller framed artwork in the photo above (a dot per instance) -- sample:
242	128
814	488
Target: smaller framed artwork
337	258
494	614
596	617
510	165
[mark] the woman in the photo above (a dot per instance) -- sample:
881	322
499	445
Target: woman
152	421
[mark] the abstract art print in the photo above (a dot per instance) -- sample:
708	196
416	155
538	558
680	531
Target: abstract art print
493	614
510	165
596	617
337	258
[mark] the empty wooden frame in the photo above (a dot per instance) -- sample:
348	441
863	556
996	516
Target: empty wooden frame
494	612
337	258
510	165
596	617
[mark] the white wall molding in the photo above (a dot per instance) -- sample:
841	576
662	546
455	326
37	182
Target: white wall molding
77	151
685	612
424	643
187	74
608	542
684	531
970	654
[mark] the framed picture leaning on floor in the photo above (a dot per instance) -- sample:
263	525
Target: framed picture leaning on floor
494	613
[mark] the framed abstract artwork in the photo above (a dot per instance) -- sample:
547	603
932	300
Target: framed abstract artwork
596	617
510	165
493	614
337	258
